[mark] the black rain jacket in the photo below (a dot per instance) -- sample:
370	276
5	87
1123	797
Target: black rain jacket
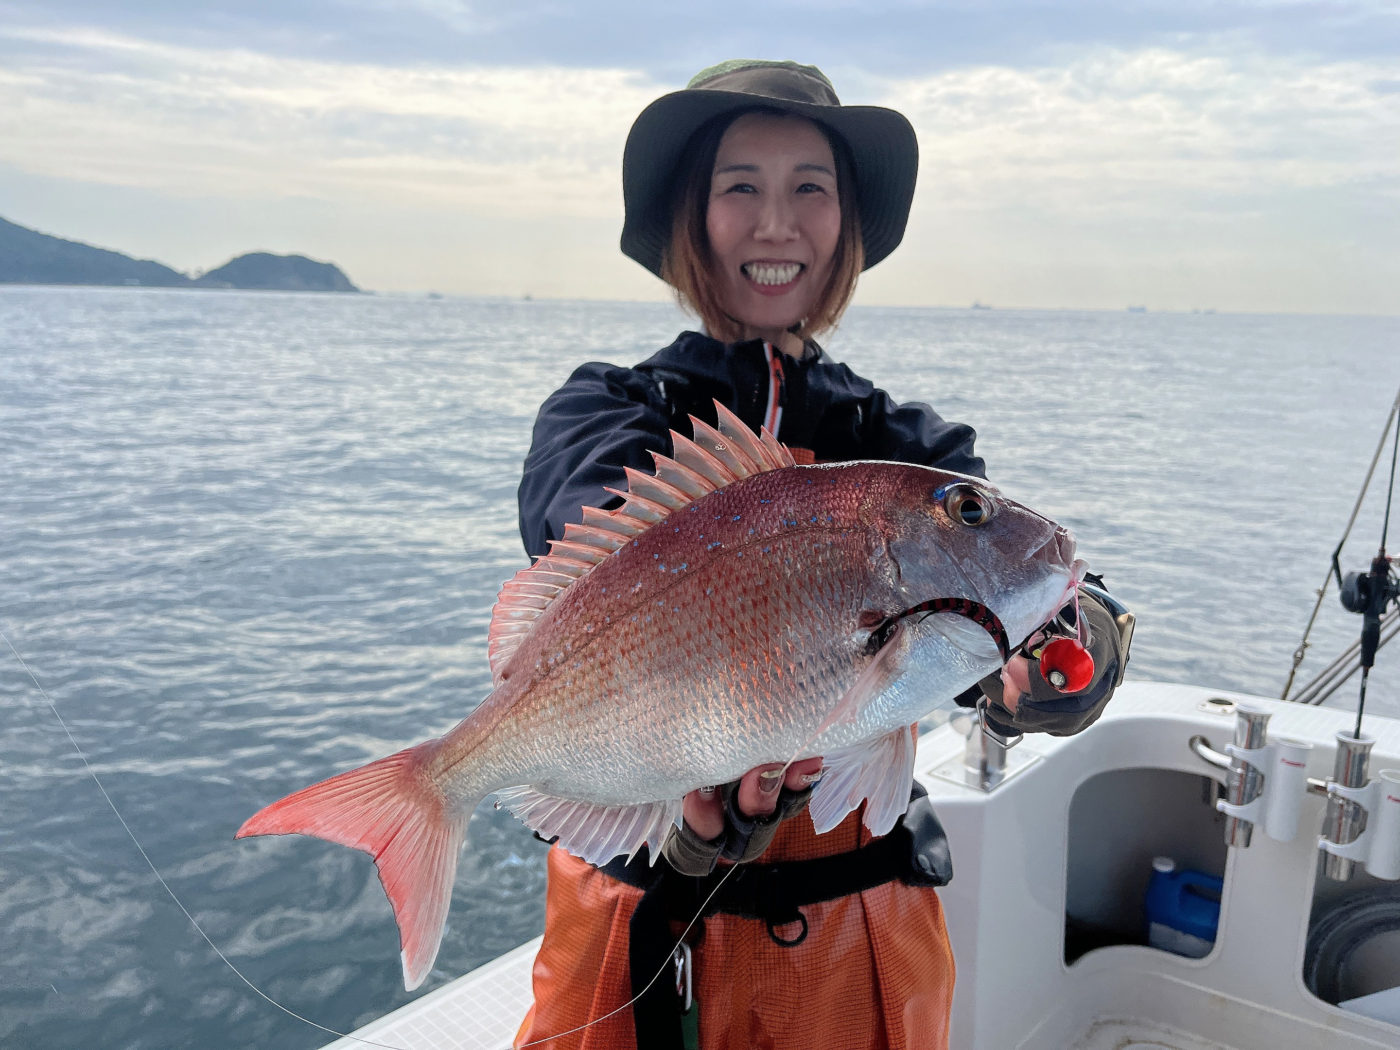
606	417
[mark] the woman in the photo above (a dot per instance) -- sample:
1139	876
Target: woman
759	198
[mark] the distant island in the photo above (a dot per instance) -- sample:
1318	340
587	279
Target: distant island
30	257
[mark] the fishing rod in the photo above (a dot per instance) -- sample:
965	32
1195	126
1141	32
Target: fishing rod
1371	592
1343	667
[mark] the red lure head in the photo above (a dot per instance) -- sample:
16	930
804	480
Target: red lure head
1067	665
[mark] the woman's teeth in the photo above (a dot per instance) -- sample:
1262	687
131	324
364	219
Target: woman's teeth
772	273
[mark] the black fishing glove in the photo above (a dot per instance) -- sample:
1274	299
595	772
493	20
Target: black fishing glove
1047	710
743	839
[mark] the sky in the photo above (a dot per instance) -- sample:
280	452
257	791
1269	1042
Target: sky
1236	155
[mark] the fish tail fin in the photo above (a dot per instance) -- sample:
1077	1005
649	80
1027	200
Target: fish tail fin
394	810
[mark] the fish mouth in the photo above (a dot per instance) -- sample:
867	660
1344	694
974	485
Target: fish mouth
973	610
1059	549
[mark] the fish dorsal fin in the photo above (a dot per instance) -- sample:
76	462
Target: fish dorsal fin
715	458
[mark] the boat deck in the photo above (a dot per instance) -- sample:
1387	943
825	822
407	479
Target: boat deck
478	1011
1247	994
483	1009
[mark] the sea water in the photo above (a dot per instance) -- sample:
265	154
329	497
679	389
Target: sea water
248	540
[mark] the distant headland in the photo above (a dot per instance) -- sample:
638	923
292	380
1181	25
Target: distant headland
30	257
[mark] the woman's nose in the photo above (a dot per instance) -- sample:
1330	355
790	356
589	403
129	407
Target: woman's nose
776	221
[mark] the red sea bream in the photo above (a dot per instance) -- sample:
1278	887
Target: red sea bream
737	609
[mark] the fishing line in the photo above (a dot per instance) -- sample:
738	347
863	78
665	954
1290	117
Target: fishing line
156	872
655	977
229	963
1335	568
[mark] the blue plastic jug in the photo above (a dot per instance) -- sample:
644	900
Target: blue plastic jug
1183	909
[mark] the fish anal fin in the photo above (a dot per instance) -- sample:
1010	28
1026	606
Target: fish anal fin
393	810
596	833
877	772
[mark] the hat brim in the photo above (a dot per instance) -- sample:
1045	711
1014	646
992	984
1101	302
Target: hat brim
882	144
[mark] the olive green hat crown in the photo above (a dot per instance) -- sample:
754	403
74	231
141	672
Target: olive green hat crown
881	142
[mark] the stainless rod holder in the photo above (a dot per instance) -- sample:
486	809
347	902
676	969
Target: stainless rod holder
1346	818
1244	781
984	758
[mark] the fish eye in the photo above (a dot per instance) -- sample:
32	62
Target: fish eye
966	505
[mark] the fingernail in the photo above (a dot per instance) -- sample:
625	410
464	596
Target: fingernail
808	779
708	791
770	780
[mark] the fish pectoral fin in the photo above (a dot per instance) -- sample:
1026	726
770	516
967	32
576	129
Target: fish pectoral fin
879	771
884	666
595	833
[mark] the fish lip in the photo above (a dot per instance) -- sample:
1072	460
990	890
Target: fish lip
1059	548
1077	571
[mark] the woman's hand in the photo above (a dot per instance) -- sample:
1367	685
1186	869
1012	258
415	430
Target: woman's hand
1016	677
757	795
711	835
1023	701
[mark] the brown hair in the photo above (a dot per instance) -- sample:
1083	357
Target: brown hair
686	262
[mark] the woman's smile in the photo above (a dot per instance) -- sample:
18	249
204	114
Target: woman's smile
773	221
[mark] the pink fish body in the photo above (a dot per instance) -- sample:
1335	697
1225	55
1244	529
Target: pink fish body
738	609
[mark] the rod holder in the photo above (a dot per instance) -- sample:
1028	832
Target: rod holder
1272	776
984	758
1280	769
1361	823
1245	778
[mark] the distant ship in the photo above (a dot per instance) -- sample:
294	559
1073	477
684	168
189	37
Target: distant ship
980	306
1137	309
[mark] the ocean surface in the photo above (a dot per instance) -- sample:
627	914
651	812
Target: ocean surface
250	540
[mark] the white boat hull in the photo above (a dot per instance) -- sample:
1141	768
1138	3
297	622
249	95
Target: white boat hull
1037	849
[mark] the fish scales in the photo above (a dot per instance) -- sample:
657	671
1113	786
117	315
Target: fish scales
734	631
754	578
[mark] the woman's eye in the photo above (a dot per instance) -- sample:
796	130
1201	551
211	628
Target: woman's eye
811	187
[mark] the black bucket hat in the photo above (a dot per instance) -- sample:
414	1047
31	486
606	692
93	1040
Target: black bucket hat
882	145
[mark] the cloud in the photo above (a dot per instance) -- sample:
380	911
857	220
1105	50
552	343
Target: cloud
670	41
1062	183
1115	127
1250	181
96	106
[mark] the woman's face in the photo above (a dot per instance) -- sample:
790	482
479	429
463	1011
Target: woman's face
773	221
